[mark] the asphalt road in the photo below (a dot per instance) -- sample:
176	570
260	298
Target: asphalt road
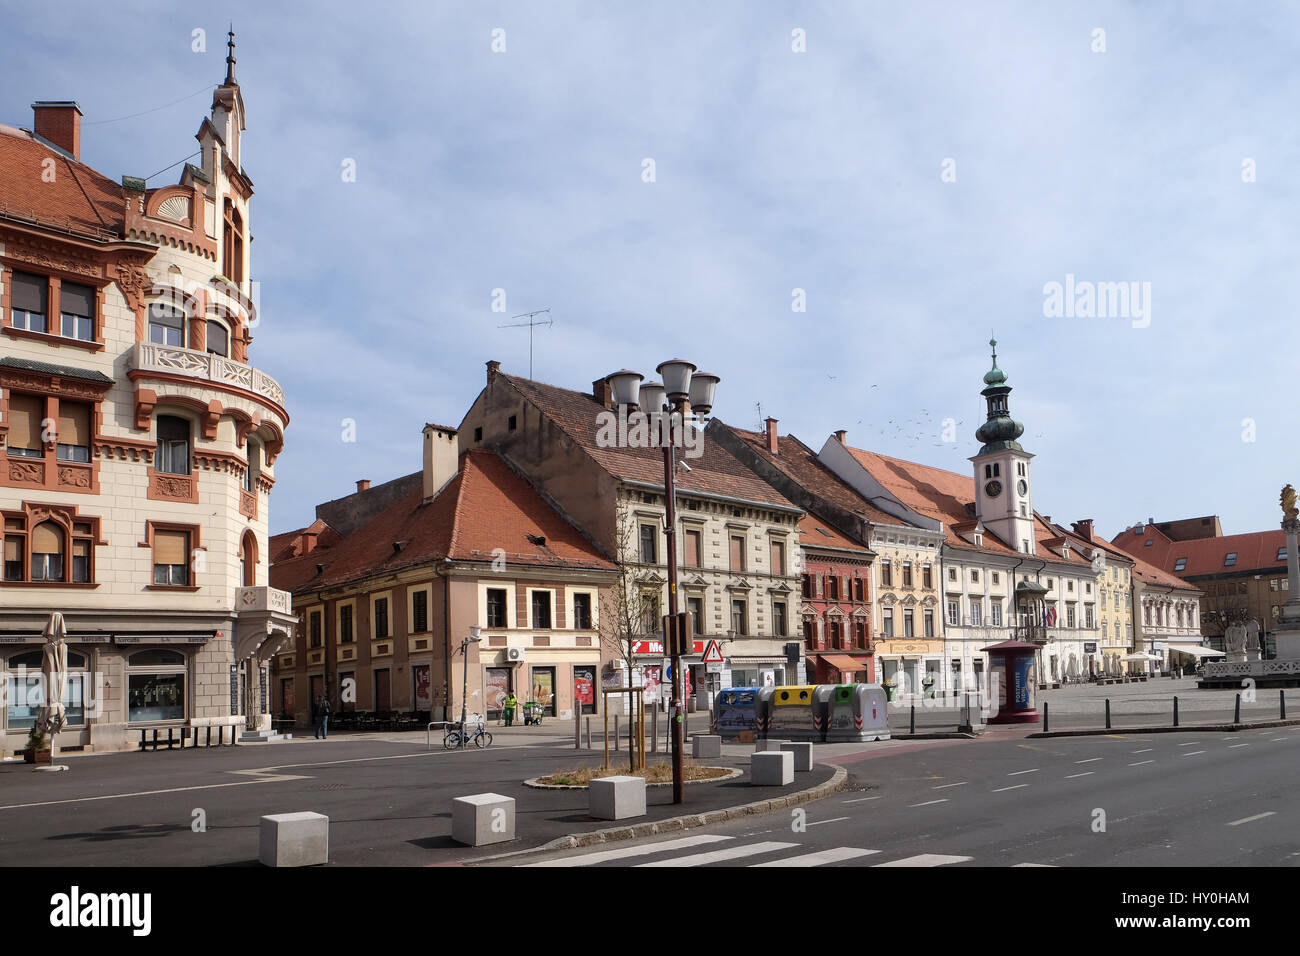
1223	799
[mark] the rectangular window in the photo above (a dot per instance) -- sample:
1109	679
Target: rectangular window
1181	563
1087	617
807	585
995	613
909	628
315	629
809	635
833	587
954	613
907	574
691	559
582	612
166	325
541	610
381	617
171	558
695	608
496	607
29	301
860	633
778	557
778	618
952	574
887	620
886	575
976	614
420	611
76	311
1230	559
649	538
73	431
345	625
47	552
1281	554
929	623
173	456
926	579
738	622
26	413
218	339
996	578
737	553
81	562
974	576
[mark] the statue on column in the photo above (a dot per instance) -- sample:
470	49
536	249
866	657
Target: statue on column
1288	502
1234	640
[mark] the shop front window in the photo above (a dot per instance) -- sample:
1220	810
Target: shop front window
26	690
155	686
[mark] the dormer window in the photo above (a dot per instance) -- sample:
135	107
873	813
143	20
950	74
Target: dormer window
1230	559
979	540
1181	563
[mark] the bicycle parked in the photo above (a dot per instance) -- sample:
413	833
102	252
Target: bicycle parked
458	736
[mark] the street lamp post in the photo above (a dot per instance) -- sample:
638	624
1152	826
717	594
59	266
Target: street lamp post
684	389
475	635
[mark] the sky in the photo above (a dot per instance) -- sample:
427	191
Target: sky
922	172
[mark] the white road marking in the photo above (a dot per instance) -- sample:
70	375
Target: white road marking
833	820
1193	753
268	778
1192	743
1231	746
863	799
945	786
1140	763
1050	866
834	855
928	803
927	859
591	859
1086	773
1258	816
720	856
1146	751
1016	773
1090	760
1016	787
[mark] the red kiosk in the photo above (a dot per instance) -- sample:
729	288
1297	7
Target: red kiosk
1011	664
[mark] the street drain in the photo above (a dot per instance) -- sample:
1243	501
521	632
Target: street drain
327	786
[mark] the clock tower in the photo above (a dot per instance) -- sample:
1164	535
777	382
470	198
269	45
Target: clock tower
1002	480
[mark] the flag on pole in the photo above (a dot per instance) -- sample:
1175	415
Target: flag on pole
1049	617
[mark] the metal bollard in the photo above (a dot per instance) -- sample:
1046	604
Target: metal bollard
1281	696
1108	713
1175	711
654	728
1236	711
616	738
588	732
1044	716
912	722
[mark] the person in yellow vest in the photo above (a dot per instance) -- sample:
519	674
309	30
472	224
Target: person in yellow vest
509	705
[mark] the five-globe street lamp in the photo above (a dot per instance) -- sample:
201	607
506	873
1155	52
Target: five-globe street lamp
685	391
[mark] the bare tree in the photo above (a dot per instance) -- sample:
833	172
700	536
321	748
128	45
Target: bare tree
628	619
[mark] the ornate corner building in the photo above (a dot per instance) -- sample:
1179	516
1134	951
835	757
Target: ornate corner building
137	443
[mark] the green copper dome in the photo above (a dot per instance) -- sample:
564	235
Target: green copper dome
1000	431
995	375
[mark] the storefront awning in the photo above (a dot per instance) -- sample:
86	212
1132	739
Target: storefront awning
843	662
1196	650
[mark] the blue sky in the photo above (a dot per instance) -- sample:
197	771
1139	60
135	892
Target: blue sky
774	170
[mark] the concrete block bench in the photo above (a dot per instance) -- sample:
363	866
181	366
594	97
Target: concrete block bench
802	755
768	744
706	746
616	798
483	818
294	839
771	768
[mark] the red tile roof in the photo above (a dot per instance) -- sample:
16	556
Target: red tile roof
715	472
800	463
78	199
1256	551
814	533
485	507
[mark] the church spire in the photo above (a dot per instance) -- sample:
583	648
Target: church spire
999	431
230	57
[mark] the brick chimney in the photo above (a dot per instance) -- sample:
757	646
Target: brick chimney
1084	528
363	484
604	392
441	457
771	435
493	368
840	436
60	123
308	542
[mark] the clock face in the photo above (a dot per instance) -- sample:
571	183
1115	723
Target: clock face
1023	487
993	488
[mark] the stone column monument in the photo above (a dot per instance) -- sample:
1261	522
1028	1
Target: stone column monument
1288	620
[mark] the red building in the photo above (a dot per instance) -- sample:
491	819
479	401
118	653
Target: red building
836	605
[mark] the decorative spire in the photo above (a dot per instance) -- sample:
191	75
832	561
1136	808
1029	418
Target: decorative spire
230	57
999	431
995	375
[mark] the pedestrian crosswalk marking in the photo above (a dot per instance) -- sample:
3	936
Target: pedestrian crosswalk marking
720	856
622	853
834	855
928	859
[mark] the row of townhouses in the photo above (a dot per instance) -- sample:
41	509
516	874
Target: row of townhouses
139	445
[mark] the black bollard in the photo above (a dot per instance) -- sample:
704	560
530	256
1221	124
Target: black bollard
1108	713
912	722
1236	713
1175	711
1044	716
1281	696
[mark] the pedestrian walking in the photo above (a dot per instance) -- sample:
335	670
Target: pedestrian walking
509	705
320	714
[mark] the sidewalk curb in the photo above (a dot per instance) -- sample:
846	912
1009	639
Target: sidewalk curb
944	735
1185	729
674	824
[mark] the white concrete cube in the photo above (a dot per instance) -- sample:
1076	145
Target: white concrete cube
771	768
616	798
483	818
802	751
768	744
706	746
294	839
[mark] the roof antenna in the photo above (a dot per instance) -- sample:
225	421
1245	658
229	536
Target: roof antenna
530	324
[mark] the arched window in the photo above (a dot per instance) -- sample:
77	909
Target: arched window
233	247
248	560
48	549
173	457
218	339
254	466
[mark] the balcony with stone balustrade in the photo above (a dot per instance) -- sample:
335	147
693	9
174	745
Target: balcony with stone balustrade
205	367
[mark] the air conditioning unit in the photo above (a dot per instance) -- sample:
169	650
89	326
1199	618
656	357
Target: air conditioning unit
514	654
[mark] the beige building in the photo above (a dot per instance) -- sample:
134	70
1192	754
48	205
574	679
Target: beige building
138	442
